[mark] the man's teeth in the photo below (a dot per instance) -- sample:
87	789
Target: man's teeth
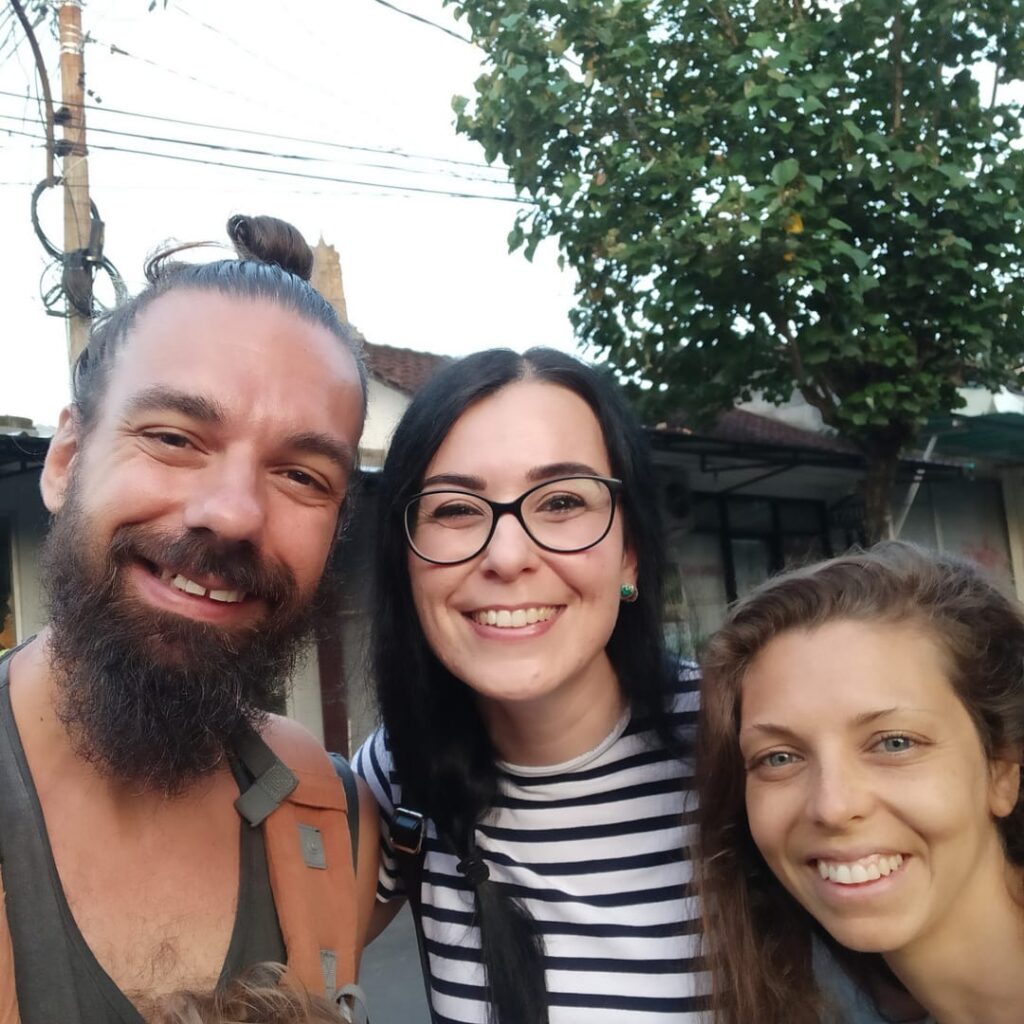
867	869
191	587
505	619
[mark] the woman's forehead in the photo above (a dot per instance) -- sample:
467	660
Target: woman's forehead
525	425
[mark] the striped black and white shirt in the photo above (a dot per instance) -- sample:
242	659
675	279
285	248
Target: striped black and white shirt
597	848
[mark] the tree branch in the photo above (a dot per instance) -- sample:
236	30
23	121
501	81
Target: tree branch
724	19
812	394
896	56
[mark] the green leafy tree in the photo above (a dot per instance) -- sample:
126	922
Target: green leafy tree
775	195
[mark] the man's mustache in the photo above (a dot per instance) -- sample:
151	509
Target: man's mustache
199	553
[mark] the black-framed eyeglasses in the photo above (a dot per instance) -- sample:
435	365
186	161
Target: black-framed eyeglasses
566	515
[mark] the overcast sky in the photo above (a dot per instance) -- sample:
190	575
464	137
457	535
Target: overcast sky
421	270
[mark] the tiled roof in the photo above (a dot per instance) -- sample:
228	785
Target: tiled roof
738	426
402	368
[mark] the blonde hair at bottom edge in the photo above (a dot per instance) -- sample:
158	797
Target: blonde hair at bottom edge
256	997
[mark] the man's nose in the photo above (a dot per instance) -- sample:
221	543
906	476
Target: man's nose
229	500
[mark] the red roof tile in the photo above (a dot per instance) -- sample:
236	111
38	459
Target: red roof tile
402	368
743	427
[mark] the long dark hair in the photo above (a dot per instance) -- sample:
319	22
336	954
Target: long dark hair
442	752
274	262
758	937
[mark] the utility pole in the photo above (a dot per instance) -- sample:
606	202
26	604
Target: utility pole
77	215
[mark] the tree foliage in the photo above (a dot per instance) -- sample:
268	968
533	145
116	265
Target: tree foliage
762	196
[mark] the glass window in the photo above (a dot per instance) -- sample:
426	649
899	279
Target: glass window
802	550
695	592
705	512
800	517
750	515
752	563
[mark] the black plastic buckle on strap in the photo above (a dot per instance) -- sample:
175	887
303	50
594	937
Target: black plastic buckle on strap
407	830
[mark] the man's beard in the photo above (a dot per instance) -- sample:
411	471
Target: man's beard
151	698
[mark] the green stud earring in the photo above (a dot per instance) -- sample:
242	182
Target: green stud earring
628	593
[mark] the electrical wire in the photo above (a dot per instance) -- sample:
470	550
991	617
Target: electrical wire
262	58
292	174
46	114
246	97
222	148
393	151
118	51
425	21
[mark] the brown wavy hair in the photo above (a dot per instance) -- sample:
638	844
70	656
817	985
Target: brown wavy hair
256	997
758	938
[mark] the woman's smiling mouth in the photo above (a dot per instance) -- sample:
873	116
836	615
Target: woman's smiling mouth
513	618
857	872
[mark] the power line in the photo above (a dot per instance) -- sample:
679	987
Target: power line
244	97
425	21
292	174
222	148
395	151
262	58
206	188
119	51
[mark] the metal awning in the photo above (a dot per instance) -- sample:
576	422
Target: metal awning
719	456
21	452
994	437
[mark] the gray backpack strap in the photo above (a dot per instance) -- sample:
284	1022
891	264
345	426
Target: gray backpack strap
348	780
351	1003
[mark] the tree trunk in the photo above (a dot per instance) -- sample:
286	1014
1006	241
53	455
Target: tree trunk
879	479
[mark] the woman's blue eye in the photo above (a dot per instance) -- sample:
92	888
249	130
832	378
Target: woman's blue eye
895	744
777	759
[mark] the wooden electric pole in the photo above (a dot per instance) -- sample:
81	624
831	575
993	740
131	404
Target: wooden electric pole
77	217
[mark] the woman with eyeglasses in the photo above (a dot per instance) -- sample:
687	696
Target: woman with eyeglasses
530	715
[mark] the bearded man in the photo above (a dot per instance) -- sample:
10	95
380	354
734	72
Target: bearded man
196	484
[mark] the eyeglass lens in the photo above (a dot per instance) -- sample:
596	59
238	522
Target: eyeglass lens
565	515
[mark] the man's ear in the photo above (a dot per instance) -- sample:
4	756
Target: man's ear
60	459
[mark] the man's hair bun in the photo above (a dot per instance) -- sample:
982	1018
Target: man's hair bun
269	240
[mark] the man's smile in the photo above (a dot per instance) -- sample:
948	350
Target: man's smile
191	586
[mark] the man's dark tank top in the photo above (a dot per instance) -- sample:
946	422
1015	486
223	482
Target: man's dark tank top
58	978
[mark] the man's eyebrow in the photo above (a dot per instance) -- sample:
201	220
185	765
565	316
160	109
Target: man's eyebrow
198	407
311	443
162	398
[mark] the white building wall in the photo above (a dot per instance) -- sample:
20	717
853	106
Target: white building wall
965	517
22	506
304	695
385	406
